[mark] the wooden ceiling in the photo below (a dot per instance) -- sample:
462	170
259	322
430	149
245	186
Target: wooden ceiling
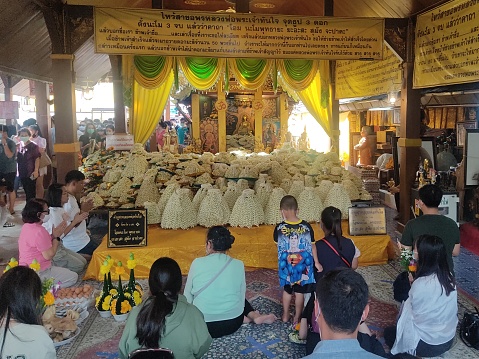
25	25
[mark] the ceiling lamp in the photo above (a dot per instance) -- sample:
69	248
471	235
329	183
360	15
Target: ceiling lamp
392	97
87	93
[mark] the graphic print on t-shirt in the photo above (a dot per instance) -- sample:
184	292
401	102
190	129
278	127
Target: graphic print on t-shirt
295	260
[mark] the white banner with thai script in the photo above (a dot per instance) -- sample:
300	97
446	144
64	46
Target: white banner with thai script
120	142
447	45
184	33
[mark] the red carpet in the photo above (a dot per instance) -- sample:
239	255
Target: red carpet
470	237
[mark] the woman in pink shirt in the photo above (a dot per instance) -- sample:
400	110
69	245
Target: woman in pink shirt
160	132
36	243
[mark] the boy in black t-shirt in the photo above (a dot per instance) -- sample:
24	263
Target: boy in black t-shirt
296	257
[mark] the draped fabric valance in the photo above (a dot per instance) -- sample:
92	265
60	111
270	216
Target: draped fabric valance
308	79
203	73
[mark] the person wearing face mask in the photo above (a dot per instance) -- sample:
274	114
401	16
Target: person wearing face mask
28	160
35	243
42	146
90	134
81	129
108	131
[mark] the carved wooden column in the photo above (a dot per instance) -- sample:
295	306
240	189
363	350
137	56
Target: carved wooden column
221	107
409	141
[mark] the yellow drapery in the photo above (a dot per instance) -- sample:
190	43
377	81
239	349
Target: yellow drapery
202	83
317	97
259	80
297	85
148	106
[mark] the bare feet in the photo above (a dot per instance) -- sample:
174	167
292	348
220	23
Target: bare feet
286	317
265	319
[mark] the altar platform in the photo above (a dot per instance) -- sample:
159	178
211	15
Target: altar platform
254	246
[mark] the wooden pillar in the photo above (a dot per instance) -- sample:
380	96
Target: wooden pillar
258	120
195	118
283	116
66	147
7	81
409	140
334	124
221	116
43	121
120	122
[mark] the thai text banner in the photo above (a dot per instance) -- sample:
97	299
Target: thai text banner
447	45
183	33
368	78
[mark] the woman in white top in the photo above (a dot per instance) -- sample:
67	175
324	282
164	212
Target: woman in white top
428	319
57	196
42	145
21	332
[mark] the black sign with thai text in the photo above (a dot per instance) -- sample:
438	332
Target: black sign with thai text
127	228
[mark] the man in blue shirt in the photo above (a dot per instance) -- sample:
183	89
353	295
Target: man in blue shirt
341	305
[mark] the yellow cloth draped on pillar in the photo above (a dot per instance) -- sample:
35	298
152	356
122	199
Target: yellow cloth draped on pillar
317	97
148	106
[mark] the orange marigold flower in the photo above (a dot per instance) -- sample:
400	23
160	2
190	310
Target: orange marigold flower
48	298
125	307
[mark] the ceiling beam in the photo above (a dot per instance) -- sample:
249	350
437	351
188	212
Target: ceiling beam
395	35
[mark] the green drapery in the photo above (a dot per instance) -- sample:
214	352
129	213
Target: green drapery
298	74
308	79
250	73
152	71
201	72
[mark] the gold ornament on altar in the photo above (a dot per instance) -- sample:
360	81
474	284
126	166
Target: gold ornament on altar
221	105
303	141
258	105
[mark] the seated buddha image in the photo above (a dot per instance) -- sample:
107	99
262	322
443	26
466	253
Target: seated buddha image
244	127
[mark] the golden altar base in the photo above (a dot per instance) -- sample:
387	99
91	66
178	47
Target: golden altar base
254	246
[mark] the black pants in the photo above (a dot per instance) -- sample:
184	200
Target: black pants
225	327
423	349
30	187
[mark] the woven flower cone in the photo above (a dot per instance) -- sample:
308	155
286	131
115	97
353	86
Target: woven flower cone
179	211
231	194
263	177
137	165
310	205
153	212
247	211
272	212
148	192
323	189
337	197
286	184
169	190
351	189
263	192
200	195
122	186
241	185
296	188
213	211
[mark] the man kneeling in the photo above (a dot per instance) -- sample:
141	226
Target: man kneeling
341	305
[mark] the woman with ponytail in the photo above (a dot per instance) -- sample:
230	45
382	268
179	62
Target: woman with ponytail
334	250
166	319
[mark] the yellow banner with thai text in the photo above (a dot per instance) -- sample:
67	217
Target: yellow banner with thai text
368	78
447	45
184	33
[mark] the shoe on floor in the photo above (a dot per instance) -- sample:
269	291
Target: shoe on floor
294	338
9	224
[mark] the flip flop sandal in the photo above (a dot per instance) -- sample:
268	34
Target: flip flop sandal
294	338
9	224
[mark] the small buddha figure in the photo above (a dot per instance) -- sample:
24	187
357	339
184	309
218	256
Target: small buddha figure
303	142
244	128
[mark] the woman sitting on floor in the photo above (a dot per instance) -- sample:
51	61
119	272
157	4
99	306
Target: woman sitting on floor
216	284
57	197
35	243
428	320
166	319
21	332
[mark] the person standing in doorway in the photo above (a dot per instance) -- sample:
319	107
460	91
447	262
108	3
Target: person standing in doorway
8	165
28	159
42	147
364	148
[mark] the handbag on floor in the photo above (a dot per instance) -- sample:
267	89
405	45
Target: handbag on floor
469	330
